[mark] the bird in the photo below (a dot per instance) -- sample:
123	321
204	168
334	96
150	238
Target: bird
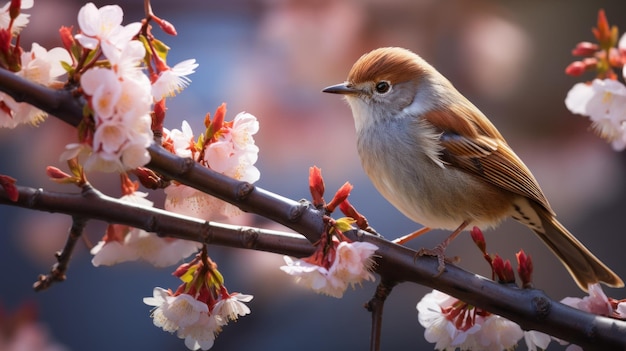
440	161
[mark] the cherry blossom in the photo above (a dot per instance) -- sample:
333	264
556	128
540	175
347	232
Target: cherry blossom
450	324
346	264
354	262
121	101
182	141
20	21
201	305
201	335
232	307
604	101
173	80
596	302
536	340
103	26
439	329
498	333
232	153
40	66
172	313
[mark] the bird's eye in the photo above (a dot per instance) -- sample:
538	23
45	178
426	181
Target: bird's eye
383	87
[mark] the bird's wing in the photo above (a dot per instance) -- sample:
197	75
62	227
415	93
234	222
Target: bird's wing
479	149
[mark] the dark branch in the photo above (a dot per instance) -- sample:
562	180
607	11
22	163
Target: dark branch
376	306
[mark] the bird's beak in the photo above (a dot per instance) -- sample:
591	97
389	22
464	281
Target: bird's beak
343	88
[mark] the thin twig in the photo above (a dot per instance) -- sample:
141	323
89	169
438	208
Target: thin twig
57	273
376	306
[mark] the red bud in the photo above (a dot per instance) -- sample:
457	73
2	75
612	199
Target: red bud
8	184
341	195
316	186
66	37
158	116
479	239
503	270
218	120
167	27
56	174
14	8
575	69
128	186
585	49
349	210
524	268
148	178
602	31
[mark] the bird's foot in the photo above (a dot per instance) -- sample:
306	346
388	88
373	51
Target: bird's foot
439	252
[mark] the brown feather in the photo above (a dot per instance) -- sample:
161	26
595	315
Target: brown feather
479	149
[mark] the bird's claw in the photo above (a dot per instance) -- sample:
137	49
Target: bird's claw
439	252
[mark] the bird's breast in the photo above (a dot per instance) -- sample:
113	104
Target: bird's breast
400	159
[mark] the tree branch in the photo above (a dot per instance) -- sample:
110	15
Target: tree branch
530	308
57	274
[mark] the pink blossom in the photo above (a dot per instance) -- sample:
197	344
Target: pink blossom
351	265
40	66
596	302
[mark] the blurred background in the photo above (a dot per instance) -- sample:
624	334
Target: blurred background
271	58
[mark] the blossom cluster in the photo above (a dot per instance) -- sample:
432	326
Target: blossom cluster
334	267
227	148
337	262
38	65
603	100
200	307
107	60
451	324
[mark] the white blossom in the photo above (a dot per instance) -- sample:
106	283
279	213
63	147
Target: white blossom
172	81
604	102
233	307
103	26
22	19
172	313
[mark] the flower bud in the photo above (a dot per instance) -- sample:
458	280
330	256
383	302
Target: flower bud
341	195
479	239
585	48
316	186
10	190
14	8
524	268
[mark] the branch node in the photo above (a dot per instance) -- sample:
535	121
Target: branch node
249	237
243	190
296	211
207	232
187	165
33	200
542	306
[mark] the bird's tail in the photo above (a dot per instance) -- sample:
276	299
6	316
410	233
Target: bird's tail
584	267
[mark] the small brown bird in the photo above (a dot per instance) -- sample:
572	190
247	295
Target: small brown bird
432	154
